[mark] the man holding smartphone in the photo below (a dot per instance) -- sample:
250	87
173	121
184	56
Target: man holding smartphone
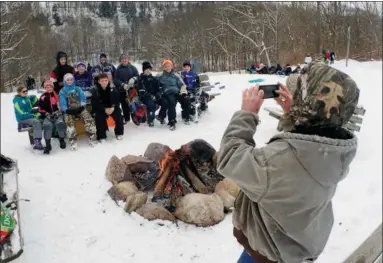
284	211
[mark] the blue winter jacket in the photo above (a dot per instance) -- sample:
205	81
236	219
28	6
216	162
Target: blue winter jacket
23	107
170	83
84	81
190	79
66	90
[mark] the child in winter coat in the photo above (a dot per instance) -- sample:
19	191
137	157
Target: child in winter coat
105	103
83	77
60	70
174	89
192	82
50	114
73	102
149	92
25	115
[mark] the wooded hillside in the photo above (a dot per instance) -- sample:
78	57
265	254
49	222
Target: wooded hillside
222	35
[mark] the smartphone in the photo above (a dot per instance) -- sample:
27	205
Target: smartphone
269	91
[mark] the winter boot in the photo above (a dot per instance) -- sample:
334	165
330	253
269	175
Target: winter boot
92	140
136	120
151	124
187	121
162	121
31	140
37	145
48	146
119	137
73	144
172	125
62	143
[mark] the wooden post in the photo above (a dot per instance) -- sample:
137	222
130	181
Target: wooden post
348	44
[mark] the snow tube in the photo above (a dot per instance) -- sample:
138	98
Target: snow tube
111	123
254	81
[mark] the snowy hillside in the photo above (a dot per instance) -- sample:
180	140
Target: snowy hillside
70	217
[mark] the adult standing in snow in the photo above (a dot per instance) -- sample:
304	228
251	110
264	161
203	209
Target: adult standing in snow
25	115
62	68
83	77
105	103
51	116
124	72
284	211
103	66
308	59
332	57
72	103
174	90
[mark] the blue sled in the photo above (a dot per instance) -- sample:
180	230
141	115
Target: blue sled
256	81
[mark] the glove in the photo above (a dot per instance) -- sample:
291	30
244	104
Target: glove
183	91
36	115
56	114
158	96
48	116
141	93
35	110
80	109
125	86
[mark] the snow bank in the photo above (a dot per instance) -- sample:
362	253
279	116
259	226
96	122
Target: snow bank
70	217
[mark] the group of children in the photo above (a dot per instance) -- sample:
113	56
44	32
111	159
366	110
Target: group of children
118	93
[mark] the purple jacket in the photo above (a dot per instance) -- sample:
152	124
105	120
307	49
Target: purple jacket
83	81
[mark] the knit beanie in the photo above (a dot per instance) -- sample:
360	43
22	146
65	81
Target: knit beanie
167	61
81	63
186	63
123	56
146	65
47	83
68	76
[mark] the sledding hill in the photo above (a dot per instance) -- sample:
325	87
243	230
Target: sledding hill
70	218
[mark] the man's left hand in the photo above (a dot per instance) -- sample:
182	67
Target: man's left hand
252	99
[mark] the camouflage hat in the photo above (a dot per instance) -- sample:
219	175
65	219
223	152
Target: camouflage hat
324	97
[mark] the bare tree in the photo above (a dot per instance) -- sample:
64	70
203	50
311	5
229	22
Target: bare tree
253	28
13	33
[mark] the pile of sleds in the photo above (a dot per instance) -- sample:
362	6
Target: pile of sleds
11	239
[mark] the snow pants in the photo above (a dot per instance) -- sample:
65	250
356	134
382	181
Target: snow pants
151	108
246	258
48	125
170	100
36	126
102	126
90	127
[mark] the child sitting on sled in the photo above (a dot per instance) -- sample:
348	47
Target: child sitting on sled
26	116
72	103
51	116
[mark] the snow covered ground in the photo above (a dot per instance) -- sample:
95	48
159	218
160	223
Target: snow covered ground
70	217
